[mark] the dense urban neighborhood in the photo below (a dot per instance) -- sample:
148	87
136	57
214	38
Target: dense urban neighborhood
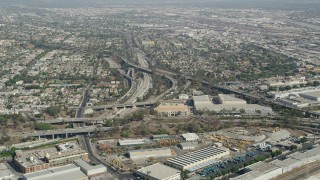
156	90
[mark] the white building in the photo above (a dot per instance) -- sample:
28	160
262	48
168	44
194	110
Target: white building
159	172
190	136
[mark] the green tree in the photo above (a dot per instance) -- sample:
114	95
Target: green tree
303	140
53	110
293	147
42	126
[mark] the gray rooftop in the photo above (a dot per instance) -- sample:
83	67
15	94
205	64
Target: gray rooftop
66	172
159	171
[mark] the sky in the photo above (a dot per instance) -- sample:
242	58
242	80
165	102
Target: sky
261	4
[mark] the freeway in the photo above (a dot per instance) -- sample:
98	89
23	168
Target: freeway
87	129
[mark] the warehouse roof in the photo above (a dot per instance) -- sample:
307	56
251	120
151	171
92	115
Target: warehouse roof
127	142
159	171
313	93
229	98
202	102
150	152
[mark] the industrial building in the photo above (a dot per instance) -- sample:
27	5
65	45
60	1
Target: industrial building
230	105
315	95
131	142
147	153
227	99
33	161
91	171
70	172
173	109
306	91
159	172
260	170
198	159
160	136
188	145
190	136
202	103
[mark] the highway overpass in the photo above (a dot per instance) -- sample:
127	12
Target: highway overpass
136	66
64	133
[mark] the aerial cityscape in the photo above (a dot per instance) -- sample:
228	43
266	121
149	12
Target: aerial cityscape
159	90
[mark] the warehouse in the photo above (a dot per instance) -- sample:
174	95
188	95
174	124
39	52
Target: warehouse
315	95
202	103
159	172
160	136
198	159
131	142
91	171
260	170
147	153
190	136
188	145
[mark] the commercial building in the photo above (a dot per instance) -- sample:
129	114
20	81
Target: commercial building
67	172
198	159
258	171
159	172
190	136
147	153
91	171
173	109
33	161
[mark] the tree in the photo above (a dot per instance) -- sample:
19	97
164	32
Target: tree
42	126
53	110
108	123
303	140
293	147
242	111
